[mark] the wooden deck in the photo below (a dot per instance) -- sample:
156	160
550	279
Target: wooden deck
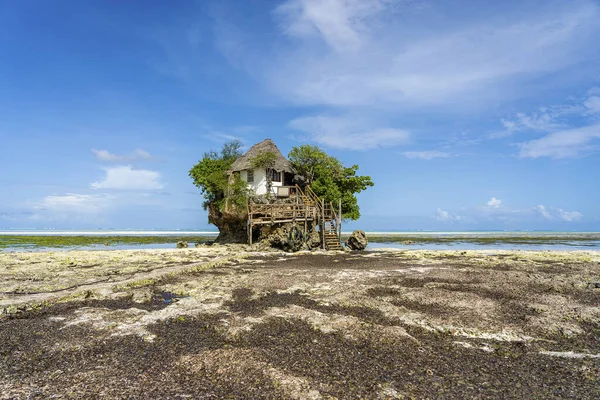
307	208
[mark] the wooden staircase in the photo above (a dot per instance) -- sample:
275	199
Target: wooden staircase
329	220
332	240
307	208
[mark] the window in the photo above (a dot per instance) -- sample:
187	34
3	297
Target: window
250	176
275	175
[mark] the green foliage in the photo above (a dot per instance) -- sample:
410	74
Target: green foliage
264	160
210	174
329	179
237	192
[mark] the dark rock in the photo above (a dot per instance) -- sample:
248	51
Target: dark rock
357	240
288	237
295	239
182	245
594	285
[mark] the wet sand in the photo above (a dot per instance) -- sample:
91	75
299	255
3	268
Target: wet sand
216	322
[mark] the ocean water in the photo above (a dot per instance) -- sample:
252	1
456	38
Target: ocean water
439	240
571	246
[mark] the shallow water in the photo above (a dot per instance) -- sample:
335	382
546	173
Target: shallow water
147	246
564	246
556	241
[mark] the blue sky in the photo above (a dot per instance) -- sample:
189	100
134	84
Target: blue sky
467	114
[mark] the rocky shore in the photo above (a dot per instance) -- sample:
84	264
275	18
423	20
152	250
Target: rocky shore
224	322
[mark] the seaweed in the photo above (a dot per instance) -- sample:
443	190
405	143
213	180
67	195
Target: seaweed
64	241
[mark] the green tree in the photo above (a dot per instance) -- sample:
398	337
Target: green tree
265	161
329	179
210	175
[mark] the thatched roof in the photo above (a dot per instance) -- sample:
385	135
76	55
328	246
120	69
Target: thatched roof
267	145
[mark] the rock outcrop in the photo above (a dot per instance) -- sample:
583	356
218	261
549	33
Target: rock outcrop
233	228
357	240
232	224
288	237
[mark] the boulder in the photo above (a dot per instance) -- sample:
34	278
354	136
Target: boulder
357	240
182	244
295	239
288	237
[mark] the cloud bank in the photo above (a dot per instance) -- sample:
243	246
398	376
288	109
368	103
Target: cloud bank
562	144
126	177
348	133
353	53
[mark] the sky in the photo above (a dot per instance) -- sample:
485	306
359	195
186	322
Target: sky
467	115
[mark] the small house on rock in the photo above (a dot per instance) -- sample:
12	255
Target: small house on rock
281	175
281	205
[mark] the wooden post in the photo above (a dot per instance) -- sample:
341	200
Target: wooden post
250	230
249	210
340	221
323	222
305	221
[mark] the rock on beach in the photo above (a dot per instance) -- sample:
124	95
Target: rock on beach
357	240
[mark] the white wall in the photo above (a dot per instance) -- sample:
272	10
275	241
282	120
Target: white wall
260	182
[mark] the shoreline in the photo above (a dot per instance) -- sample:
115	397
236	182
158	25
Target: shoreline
449	240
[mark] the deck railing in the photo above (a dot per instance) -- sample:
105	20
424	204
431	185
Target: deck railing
307	207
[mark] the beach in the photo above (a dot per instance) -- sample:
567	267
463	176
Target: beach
221	322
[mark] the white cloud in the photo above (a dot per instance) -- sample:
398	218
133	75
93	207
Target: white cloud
562	144
73	203
592	104
341	24
426	155
348	133
494	211
547	119
543	212
349	52
136	155
538	121
494	202
442	215
569	216
126	177
558	214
